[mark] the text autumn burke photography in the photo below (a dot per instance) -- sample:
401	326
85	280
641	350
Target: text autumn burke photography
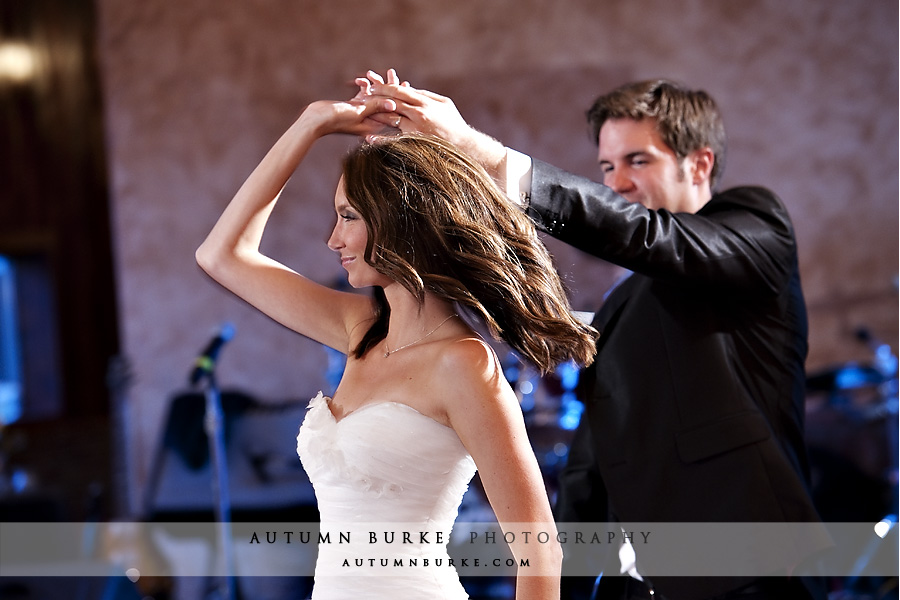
441	537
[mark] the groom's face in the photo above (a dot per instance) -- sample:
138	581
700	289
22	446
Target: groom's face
638	165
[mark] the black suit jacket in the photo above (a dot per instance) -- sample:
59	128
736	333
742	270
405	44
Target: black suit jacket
694	404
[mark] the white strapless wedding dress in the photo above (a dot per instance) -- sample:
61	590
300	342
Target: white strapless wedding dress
384	468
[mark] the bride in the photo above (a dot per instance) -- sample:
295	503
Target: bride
423	400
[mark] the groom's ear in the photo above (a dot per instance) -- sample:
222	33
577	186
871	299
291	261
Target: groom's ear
701	165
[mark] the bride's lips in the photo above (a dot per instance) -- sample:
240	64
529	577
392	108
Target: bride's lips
346	260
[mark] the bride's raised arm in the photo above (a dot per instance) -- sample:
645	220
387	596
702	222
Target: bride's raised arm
230	253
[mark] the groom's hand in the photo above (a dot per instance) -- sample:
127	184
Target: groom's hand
422	111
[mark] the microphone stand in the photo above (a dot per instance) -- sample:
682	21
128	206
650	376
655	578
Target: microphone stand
215	432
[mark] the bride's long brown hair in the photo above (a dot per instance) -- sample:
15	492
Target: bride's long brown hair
437	222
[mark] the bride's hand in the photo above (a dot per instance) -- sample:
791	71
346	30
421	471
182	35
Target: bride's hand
419	110
351	117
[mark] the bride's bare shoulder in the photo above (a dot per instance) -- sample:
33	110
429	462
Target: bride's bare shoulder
467	355
468	367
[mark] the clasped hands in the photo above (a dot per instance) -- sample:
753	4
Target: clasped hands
403	107
398	105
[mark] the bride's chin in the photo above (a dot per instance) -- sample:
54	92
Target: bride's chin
359	285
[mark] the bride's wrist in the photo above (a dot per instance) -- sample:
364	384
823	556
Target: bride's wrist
314	121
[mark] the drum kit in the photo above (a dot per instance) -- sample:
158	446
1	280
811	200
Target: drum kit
851	433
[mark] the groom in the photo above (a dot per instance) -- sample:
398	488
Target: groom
694	404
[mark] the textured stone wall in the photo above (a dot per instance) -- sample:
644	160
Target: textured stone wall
195	91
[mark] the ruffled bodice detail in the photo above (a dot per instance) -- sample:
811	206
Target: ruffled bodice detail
383	463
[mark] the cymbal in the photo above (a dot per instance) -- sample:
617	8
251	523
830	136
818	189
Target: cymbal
848	376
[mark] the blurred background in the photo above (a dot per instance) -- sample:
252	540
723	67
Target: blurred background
127	127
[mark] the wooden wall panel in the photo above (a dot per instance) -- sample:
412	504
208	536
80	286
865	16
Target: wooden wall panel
54	207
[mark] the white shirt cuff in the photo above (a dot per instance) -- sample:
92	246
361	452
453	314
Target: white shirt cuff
518	177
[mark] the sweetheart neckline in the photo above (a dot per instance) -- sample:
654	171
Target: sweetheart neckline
362	408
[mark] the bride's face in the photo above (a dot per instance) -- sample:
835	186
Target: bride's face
349	239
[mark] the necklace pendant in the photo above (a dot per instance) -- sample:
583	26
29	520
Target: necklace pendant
388	353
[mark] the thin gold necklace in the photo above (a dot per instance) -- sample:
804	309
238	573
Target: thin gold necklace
388	351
